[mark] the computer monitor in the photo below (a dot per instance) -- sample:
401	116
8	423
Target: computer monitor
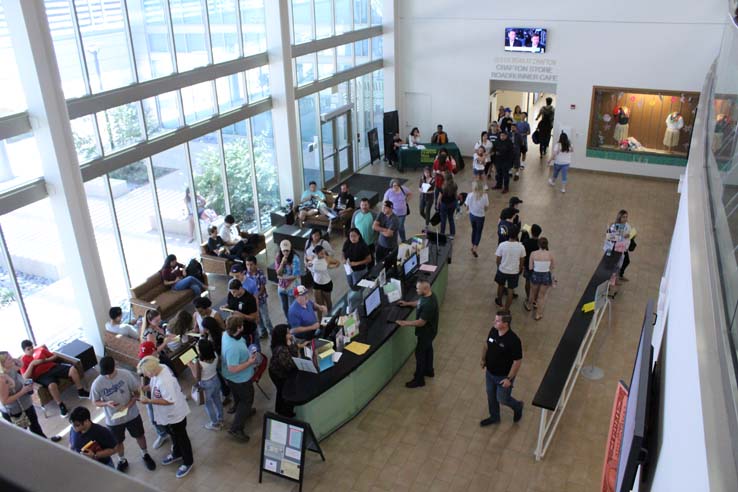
410	267
372	302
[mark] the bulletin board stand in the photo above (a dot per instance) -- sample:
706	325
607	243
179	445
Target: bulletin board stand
284	443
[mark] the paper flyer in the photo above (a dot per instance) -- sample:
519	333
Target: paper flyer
393	290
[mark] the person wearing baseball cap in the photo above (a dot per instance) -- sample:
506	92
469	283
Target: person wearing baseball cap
386	224
302	315
115	390
243	304
288	268
238	271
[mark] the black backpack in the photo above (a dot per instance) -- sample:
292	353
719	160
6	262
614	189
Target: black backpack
194	269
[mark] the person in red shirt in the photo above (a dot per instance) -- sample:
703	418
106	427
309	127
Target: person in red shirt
40	365
444	163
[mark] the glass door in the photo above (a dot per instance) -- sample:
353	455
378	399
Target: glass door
338	155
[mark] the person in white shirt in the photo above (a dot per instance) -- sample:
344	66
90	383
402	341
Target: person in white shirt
510	257
486	144
413	140
170	410
561	158
205	370
115	325
541	264
322	283
477	202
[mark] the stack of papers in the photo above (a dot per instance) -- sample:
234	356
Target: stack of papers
357	348
428	268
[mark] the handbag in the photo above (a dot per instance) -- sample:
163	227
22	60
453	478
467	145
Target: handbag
633	245
536	137
21	420
406	204
197	393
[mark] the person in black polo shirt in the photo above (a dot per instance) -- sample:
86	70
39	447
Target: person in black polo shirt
426	328
502	356
243	304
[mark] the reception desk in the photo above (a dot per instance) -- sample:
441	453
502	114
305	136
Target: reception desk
331	398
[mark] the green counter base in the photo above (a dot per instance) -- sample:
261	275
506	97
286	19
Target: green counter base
642	157
346	399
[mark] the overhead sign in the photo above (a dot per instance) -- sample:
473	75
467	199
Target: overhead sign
522	68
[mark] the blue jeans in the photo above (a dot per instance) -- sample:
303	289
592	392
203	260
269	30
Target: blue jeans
286	300
447	214
497	395
563	169
213	405
161	430
265	322
190	283
401	229
477	224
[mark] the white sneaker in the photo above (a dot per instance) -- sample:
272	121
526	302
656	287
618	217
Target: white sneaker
551	181
563	190
160	440
213	427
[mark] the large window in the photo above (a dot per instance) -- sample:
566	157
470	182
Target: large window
12	97
320	19
33	243
365	93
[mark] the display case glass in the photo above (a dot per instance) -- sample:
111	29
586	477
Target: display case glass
626	123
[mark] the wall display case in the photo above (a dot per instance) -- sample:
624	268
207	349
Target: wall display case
646	125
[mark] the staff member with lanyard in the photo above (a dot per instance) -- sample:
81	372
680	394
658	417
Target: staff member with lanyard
426	328
502	356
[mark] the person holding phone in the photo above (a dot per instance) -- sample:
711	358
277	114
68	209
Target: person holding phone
173	275
15	395
170	410
116	392
238	363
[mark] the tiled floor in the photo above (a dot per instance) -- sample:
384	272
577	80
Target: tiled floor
429	438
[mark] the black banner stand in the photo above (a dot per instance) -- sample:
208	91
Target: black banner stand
280	459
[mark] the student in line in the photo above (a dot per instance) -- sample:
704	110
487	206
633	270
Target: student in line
541	264
477	202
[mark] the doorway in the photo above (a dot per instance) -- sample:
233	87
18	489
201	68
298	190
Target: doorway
530	96
337	152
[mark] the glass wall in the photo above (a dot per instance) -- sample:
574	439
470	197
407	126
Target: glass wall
164	202
368	111
42	275
320	19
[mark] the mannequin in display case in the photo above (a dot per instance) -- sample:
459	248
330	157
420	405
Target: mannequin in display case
622	117
674	125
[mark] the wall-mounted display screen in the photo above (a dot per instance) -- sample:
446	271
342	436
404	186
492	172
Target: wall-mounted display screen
526	39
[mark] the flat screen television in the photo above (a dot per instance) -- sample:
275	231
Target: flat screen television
372	302
526	39
632	453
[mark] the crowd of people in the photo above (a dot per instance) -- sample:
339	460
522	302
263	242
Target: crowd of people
229	351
